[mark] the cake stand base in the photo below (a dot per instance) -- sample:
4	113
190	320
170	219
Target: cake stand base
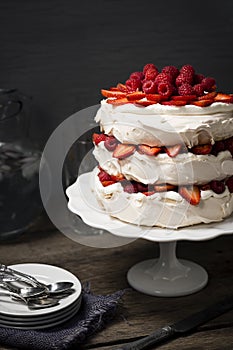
167	276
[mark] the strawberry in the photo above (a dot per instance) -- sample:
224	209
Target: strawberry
173	151
123	151
203	103
154	97
130	187
202	149
210	95
118	177
121	87
118	101
112	93
107	183
114	88
149	193
137	95
97	138
226	98
110	143
150	151
191	194
145	103
164	187
103	176
186	98
174	103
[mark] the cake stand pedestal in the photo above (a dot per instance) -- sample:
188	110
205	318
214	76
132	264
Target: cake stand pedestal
166	276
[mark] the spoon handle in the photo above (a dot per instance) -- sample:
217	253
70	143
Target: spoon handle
23	276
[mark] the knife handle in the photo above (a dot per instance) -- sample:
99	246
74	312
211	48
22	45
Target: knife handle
152	339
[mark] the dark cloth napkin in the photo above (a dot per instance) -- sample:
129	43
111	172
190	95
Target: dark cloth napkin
95	312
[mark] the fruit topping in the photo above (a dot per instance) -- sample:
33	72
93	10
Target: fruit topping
137	75
164	187
97	138
207	96
203	103
217	186
149	87
112	93
185	98
123	151
202	149
185	89
133	85
154	97
173	151
107	183
208	83
220	97
103	176
174	103
149	66
172	71
163	78
121	87
165	89
137	95
184	79
198	78
144	103
150	151
191	194
118	101
110	143
198	89
229	145
130	187
151	74
219	146
229	183
187	69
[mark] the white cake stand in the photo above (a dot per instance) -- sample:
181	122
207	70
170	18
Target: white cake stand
166	276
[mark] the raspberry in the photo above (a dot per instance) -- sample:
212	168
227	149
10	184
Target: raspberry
163	78
198	89
217	186
198	78
130	187
171	70
165	89
142	187
149	66
185	89
103	176
208	83
184	78
133	85
137	75
229	145
151	74
110	143
187	69
219	146
149	87
229	183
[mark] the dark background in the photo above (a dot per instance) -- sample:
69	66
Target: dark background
63	52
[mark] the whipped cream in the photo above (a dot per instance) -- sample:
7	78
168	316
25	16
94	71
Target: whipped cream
167	209
167	125
185	168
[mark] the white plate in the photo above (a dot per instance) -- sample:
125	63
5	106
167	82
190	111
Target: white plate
92	214
45	274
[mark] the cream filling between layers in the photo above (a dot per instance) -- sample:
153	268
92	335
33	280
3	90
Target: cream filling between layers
167	209
166	125
186	168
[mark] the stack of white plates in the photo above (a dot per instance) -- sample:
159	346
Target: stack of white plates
14	314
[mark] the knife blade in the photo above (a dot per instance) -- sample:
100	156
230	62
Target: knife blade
186	325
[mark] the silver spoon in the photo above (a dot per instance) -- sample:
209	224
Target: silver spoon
26	292
32	303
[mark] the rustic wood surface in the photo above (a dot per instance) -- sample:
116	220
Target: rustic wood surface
139	314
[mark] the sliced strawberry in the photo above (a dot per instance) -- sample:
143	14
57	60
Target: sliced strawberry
108	183
164	187
97	138
112	93
220	97
148	193
191	194
210	95
154	97
122	87
110	143
203	103
118	101
103	176
205	187
150	151
114	88
186	98
123	151
174	103
173	151
145	103
118	177
137	95
202	149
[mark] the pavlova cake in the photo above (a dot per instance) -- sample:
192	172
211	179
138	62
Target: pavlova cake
165	149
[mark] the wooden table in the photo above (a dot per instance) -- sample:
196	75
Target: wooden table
139	314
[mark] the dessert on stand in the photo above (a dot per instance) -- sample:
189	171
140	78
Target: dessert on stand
164	154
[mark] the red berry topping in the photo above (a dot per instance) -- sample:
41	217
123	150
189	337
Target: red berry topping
133	85
103	176
184	79
198	89
185	89
229	145
229	183
130	187
219	146
163	78
198	78
149	87
97	138
142	187
121	87
187	69
137	75
110	143
202	149
165	89
217	186
151	74
149	66
208	83
171	70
